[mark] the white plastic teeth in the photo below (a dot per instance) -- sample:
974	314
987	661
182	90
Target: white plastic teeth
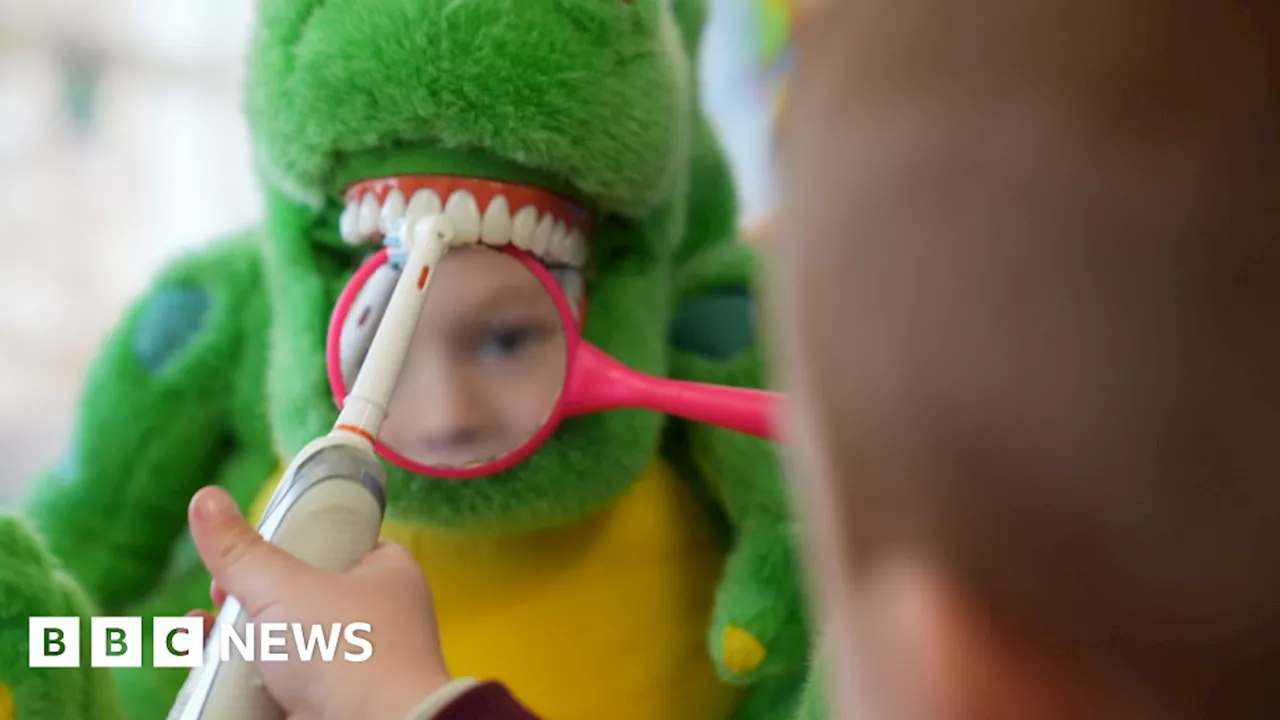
573	285
364	221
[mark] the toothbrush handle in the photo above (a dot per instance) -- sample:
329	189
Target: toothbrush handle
327	512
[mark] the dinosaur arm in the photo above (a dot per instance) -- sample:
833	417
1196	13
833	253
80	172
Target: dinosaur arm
154	425
760	624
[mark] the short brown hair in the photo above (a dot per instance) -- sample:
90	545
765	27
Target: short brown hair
1032	263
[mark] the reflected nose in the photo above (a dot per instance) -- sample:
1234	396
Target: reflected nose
453	427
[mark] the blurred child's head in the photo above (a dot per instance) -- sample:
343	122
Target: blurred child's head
1029	281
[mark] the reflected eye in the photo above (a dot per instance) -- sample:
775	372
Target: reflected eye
508	341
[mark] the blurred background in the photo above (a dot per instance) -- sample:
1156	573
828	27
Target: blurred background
122	144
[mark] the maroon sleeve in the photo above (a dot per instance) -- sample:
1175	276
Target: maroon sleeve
486	701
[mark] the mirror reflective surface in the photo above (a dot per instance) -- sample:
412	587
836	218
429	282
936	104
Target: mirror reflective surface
487	364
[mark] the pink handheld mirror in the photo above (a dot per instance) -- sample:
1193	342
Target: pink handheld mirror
498	361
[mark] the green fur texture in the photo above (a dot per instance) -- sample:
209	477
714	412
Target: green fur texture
149	435
217	372
813	701
552	85
32	582
174	401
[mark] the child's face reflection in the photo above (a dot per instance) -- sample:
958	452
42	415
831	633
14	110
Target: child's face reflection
486	365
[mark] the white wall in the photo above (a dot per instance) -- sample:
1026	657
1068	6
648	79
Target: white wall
85	219
737	102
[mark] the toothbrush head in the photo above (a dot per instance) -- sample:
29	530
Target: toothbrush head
397	248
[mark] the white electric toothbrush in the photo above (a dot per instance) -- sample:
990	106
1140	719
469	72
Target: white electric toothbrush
328	509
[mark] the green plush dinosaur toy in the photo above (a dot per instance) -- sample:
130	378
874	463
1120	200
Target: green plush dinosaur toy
634	558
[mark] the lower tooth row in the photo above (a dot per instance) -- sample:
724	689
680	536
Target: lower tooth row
545	236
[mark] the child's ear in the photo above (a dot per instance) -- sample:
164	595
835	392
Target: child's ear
892	628
923	650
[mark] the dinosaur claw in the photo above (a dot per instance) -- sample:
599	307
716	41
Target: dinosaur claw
743	652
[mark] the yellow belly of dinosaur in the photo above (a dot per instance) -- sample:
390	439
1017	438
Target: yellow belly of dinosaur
6	703
606	619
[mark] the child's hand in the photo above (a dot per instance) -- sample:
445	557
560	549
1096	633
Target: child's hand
386	590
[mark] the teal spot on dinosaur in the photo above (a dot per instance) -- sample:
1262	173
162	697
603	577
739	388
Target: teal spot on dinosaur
168	324
717	325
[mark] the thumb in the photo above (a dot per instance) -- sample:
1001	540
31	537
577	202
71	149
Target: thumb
243	565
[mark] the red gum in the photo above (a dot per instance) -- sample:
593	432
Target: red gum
484	191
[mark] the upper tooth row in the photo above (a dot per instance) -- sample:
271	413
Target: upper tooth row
545	236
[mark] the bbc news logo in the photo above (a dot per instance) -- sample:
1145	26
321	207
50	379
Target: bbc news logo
178	642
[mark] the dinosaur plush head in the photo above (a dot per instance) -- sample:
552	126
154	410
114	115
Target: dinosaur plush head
588	104
584	96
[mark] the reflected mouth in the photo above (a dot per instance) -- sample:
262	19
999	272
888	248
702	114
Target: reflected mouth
483	212
460	460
